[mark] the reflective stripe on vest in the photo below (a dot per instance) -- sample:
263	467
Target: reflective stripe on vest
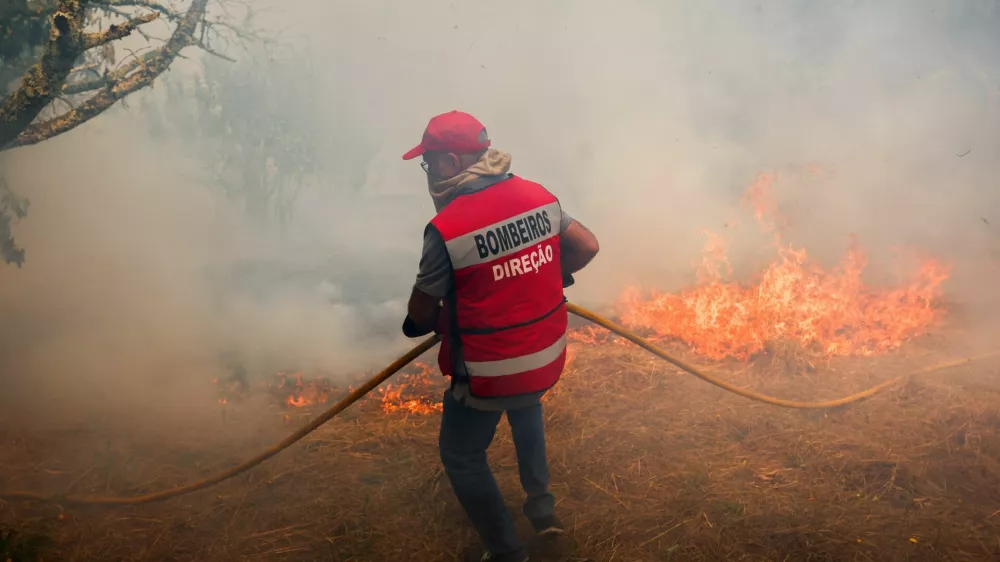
508	310
520	364
505	237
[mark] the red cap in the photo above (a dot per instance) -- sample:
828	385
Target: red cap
455	132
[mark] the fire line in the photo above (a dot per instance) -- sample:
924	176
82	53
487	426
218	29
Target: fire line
425	346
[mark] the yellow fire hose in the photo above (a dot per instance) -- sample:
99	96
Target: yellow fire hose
426	345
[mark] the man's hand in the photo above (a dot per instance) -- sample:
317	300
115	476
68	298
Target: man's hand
421	313
411	330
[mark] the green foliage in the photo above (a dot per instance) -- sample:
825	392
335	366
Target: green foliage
19	33
22	35
12	208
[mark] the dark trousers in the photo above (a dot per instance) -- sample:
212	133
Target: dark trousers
466	433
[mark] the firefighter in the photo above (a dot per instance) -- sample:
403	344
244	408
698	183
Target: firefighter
496	258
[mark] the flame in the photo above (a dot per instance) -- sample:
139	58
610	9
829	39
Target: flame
831	312
316	391
413	391
416	393
792	301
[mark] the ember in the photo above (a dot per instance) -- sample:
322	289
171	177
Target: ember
830	312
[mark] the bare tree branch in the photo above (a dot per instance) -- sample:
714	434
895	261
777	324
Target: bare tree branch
116	31
97	82
44	79
150	4
85	78
120	83
210	51
88	68
84	86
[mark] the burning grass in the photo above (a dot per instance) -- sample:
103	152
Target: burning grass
793	300
415	389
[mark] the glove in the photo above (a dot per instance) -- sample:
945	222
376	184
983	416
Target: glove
568	280
411	330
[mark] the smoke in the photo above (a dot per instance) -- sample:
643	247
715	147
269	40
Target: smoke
647	119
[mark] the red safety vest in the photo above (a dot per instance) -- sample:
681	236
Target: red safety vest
507	311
